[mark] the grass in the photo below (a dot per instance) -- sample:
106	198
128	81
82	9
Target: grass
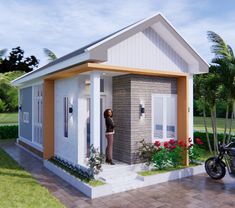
199	124
19	190
155	171
8	118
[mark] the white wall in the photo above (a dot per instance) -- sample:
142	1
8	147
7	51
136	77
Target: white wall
146	50
66	148
82	113
73	147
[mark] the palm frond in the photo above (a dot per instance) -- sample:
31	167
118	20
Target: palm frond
51	55
231	51
219	47
3	52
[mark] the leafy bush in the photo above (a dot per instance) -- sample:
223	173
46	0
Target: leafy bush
9	132
170	154
76	171
8	93
146	151
176	155
195	150
95	160
202	136
160	158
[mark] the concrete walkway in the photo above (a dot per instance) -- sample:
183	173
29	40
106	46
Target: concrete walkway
198	191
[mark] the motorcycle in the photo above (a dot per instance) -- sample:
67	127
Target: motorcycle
216	166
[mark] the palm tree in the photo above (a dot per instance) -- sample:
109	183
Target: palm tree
51	55
2	53
224	62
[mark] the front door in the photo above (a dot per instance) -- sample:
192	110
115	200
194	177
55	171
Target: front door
102	126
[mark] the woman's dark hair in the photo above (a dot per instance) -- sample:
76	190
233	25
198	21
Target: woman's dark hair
106	113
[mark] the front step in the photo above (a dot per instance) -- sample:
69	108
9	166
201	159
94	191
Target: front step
120	177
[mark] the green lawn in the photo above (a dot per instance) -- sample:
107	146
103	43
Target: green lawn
19	190
8	118
199	124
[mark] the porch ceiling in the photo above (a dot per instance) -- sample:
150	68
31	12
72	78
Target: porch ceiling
86	67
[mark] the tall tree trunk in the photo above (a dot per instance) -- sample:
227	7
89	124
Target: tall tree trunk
213	129
215	126
231	123
206	130
225	123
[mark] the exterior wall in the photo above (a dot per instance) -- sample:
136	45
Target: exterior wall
122	118
66	148
25	100
128	92
146	50
73	147
83	94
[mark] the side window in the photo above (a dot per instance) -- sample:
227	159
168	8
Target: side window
164	116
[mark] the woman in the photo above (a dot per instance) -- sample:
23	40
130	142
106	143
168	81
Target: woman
108	114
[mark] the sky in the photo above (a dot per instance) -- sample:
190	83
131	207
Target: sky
66	25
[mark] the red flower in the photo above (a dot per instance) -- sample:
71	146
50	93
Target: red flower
181	143
190	146
189	140
165	144
157	144
172	141
172	147
199	141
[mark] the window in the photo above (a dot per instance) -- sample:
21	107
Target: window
101	85
164	116
38	114
66	116
26	117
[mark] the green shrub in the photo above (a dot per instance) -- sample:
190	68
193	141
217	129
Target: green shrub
176	156
160	158
202	136
9	132
146	151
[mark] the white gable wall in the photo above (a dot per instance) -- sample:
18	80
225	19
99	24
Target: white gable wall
146	50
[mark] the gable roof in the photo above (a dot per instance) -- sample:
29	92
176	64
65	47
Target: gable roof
97	50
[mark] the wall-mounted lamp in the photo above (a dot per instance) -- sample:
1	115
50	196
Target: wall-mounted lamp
142	110
71	109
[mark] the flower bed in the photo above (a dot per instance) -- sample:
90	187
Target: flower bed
92	189
160	176
84	175
157	171
163	156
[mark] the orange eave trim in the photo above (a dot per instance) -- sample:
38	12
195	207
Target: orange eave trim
74	70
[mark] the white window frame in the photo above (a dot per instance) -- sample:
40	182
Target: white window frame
164	96
39	125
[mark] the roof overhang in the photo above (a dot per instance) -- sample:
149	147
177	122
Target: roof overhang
97	52
88	67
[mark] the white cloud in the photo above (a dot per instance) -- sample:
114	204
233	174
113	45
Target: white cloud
66	25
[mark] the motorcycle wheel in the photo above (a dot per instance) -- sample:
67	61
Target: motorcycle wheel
215	169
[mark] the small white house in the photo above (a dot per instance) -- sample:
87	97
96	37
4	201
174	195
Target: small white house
144	72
